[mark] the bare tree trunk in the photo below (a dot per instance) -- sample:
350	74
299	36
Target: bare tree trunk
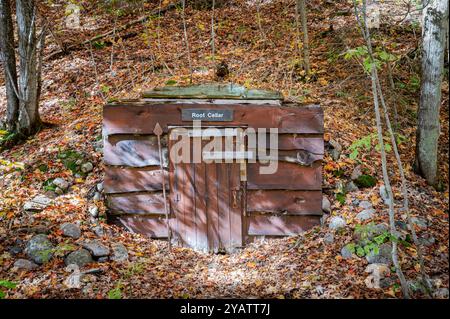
30	51
302	9
374	79
8	58
434	27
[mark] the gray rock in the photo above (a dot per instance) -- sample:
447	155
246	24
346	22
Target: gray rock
427	240
346	252
39	249
337	222
420	222
441	293
384	195
365	204
59	191
79	257
384	255
326	205
328	238
100	187
355	202
365	214
25	264
336	149
71	230
38	203
119	252
15	250
93	211
401	224
97	196
103	259
416	285
61	183
87	167
98	230
356	173
387	282
96	248
351	187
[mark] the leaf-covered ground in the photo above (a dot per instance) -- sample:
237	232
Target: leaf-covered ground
260	48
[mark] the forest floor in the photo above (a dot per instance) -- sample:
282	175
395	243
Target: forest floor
264	55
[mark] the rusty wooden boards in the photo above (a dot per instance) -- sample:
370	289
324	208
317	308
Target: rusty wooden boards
283	225
212	91
142	150
151	227
285	201
133	150
125	179
117	117
137	203
213	206
206	204
288	176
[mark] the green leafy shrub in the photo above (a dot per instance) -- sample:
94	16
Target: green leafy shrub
366	181
71	160
48	185
6	285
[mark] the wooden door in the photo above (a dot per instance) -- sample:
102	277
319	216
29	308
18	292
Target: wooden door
206	203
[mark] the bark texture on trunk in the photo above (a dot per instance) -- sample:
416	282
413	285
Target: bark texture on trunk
29	77
8	59
434	29
303	18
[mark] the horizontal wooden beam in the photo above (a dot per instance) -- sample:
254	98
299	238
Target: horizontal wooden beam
285	201
271	225
123	118
136	204
134	150
153	227
122	180
211	91
288	176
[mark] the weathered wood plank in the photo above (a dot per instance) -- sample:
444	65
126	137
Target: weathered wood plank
212	189
123	180
201	225
310	144
271	225
141	118
134	150
300	157
211	91
153	227
236	208
224	201
288	176
139	204
284	201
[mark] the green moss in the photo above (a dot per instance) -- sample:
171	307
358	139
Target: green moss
365	181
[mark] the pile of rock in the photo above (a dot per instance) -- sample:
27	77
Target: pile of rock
39	250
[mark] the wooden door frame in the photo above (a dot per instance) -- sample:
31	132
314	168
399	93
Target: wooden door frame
242	195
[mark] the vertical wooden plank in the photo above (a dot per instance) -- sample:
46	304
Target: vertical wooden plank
176	180
223	205
189	205
200	205
235	207
212	205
